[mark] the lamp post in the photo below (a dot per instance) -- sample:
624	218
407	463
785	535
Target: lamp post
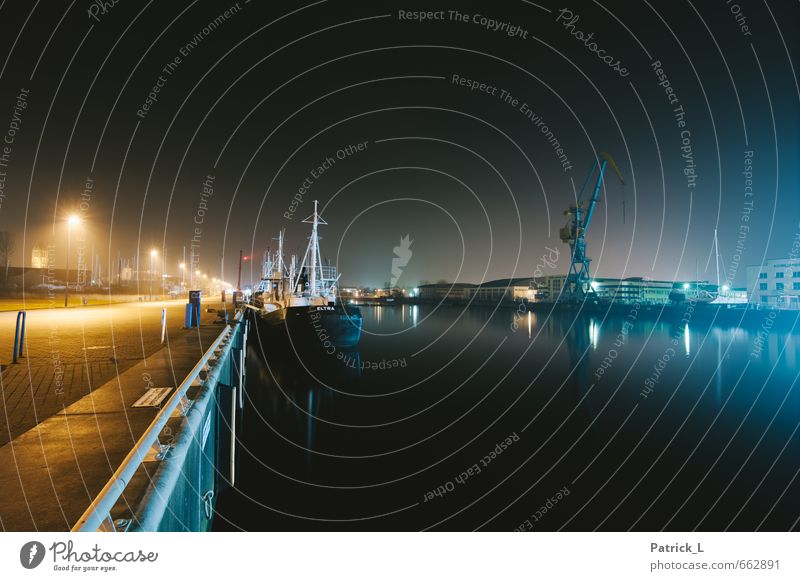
153	254
73	220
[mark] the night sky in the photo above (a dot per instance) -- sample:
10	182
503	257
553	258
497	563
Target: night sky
253	101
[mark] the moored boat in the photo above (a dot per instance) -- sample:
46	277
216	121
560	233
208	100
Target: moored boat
303	298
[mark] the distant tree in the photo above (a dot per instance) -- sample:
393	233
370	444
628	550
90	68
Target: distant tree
7	247
442	281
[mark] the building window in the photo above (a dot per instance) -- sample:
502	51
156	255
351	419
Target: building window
762	275
778	286
796	286
764	299
762	286
779	275
796	274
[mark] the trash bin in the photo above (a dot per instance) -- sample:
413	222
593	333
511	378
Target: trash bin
193	309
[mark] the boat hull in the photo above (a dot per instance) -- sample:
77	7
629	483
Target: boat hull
324	325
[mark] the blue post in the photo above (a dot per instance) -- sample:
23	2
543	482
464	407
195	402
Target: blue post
19	336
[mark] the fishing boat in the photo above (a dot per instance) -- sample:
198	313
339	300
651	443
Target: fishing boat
303	299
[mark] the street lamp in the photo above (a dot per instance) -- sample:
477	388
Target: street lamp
153	254
73	220
182	266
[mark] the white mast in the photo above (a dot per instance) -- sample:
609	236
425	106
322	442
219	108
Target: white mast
280	252
716	257
313	248
314	251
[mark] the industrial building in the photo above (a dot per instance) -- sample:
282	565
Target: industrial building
549	289
444	291
775	284
504	290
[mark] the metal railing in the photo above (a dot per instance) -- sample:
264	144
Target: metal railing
97	515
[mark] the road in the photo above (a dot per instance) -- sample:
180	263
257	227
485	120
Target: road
70	352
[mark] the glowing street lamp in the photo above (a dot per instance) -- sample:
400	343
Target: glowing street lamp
73	220
182	266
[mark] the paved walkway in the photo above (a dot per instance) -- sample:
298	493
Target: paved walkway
68	352
69	434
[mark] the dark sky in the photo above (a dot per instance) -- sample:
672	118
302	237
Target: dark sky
262	98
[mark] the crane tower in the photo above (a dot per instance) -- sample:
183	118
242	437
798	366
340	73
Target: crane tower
578	283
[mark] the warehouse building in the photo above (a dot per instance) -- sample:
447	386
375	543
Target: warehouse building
775	284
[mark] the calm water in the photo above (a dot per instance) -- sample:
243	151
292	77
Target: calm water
453	419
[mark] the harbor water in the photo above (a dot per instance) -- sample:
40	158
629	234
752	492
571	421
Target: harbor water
452	418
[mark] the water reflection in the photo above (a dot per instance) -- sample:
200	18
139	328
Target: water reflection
687	345
594	332
355	418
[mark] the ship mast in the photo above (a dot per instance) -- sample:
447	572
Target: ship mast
313	249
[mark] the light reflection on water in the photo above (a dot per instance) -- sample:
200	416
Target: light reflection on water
472	376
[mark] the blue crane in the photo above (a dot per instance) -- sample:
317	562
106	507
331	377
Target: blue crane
578	286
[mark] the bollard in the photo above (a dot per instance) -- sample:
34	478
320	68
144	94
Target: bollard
19	336
163	325
187	324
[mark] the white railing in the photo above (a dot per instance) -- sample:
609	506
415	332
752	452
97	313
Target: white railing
97	516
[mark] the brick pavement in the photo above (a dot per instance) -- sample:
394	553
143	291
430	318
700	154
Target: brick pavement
70	352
